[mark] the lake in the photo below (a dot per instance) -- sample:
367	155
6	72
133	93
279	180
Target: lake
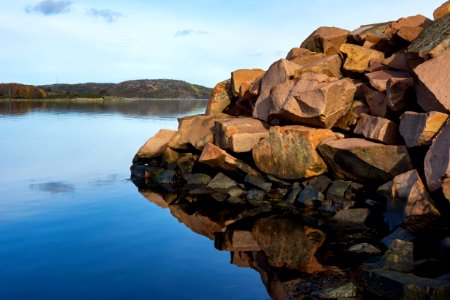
72	224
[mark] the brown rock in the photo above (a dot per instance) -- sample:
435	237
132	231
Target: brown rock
302	56
398	61
316	100
442	10
278	96
278	72
241	76
360	160
408	200
376	101
418	129
290	152
156	145
352	116
432	86
398	90
237	240
220	159
239	134
433	40
407	28
328	65
378	129
358	57
297	52
398	257
409	34
446	188
437	159
371	36
326	40
221	98
289	244
379	79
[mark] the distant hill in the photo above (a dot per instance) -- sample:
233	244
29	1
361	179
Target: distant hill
148	88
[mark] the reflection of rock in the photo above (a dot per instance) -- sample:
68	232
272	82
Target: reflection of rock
154	198
289	244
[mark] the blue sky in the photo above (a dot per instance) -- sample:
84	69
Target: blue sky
199	41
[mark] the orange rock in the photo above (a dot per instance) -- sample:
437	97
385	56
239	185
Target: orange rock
378	129
353	115
418	129
328	65
221	98
241	76
434	39
446	188
326	40
409	34
156	145
442	10
290	152
419	22
358	57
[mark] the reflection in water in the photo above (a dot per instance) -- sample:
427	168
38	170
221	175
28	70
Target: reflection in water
160	108
54	187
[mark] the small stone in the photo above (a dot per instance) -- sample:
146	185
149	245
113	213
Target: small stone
364	249
378	129
358	57
156	145
236	192
310	197
258	181
221	98
337	190
418	129
352	217
353	115
398	257
197	179
326	40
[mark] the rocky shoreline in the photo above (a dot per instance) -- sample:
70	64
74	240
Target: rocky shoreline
329	173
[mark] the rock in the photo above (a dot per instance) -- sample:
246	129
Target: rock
156	145
326	40
398	257
195	131
337	192
355	217
399	61
320	183
170	157
445	250
376	101
241	76
446	188
297	52
432	85
221	98
239	134
167	179
379	79
310	197
434	39
279	72
278	96
398	234
398	90
344	291
328	65
442	11
186	163
220	159
352	116
221	183
371	36
408	200
258	181
237	240
315	100
241	259
378	129
196	180
407	28
418	129
275	235
437	159
290	152
360	160
358	58
296	189
364	249
255	195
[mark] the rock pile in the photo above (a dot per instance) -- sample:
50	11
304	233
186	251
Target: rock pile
348	135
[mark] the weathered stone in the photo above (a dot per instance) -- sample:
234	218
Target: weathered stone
378	129
407	28
278	96
170	157
358	57
433	40
236	192
241	76
337	190
432	84
371	36
290	152
195	131
341	292
279	72
418	129
186	163
442	10
376	101
167	179
310	197
221	183
398	90
258	181
296	189
221	98
241	259
315	100
364	249
399	61
239	134
352	217
437	159
360	160
255	195
328	65
398	234
303	56
395	285
196	180
352	116
408	200
379	79
218	158
398	257
237	240
156	145
326	40
276	234
297	52
320	183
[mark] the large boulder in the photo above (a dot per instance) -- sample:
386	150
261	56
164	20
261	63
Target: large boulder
432	86
408	200
221	98
433	40
195	131
239	134
358	58
242	76
290	152
329	65
289	244
418	129
326	40
407	28
378	129
442	11
279	72
316	100
437	159
156	145
361	160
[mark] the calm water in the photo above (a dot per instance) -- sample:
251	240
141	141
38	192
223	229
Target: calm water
72	226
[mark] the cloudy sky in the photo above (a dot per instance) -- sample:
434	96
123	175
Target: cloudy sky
200	41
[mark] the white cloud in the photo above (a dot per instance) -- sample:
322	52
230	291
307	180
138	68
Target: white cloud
49	7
